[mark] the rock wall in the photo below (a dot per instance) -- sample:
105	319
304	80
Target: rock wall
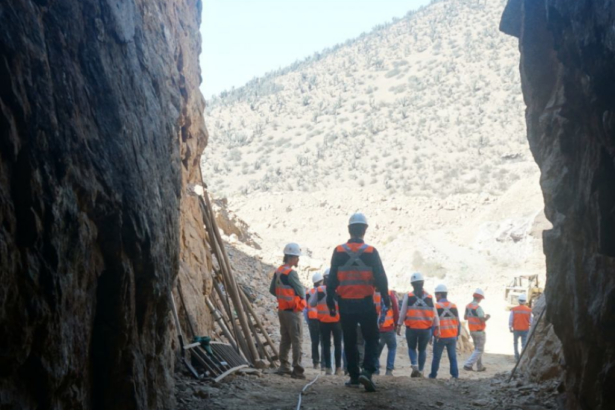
567	65
100	125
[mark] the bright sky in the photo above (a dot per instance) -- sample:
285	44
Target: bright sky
243	39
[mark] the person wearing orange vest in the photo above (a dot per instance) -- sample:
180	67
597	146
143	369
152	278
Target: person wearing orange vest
356	272
418	313
386	326
289	292
329	326
477	322
519	323
313	322
448	333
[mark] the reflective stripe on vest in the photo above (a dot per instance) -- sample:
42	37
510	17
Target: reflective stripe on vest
419	315
474	322
521	317
356	279
312	311
323	309
449	322
287	298
388	319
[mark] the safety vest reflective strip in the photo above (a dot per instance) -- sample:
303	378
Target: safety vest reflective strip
521	317
324	314
419	315
312	311
388	319
287	298
449	322
474	322
356	279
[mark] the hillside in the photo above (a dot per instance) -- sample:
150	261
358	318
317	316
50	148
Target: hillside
426	105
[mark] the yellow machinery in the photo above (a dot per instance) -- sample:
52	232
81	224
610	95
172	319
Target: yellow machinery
528	284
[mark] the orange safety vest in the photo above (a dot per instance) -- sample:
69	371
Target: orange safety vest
474	322
287	297
521	317
388	319
356	279
324	314
420	315
449	321
311	311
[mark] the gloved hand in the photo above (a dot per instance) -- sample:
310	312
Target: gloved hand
511	330
398	330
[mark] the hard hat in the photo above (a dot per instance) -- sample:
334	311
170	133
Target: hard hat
479	292
441	288
292	249
522	298
416	276
317	277
357	218
327	272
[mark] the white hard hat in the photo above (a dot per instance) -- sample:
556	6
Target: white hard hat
441	288
327	272
317	277
357	218
480	292
292	249
523	298
416	276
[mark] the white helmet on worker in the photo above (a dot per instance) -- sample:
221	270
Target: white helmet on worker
479	292
441	288
292	249
357	218
416	277
327	272
317	277
522	298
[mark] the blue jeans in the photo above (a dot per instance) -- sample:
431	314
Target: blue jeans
523	335
418	338
450	343
390	340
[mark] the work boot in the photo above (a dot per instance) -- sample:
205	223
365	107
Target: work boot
415	373
366	380
389	373
352	383
468	368
316	366
282	371
482	369
328	371
298	373
339	371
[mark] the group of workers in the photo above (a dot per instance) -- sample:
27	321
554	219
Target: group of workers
351	302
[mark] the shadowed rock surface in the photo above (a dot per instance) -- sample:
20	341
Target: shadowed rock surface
567	65
100	125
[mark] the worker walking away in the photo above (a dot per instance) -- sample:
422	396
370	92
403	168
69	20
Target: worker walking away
387	318
449	330
519	323
418	313
329	326
313	322
287	288
356	269
477	322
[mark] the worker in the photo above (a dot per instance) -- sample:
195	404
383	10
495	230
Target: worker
519	323
449	330
356	269
329	326
418	313
387	318
477	322
313	322
287	288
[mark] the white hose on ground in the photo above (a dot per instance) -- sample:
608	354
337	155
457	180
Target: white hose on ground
303	391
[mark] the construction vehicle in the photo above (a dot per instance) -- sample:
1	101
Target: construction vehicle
523	284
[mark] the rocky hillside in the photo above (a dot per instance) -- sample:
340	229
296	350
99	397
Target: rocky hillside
427	105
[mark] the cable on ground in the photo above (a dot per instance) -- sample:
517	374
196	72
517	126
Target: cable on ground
303	391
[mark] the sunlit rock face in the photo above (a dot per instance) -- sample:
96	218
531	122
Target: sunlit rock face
100	126
567	65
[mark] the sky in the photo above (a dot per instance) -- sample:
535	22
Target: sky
243	39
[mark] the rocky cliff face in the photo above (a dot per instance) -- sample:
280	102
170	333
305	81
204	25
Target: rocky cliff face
567	65
100	125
